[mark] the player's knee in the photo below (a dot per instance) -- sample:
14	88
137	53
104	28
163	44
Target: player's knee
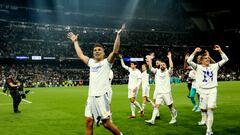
89	122
210	109
106	123
132	100
204	110
156	105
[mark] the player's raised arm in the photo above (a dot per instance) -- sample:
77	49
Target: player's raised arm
190	59
122	62
77	47
170	62
223	55
185	65
149	62
116	46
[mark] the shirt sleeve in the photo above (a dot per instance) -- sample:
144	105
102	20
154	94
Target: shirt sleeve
191	63
224	59
90	62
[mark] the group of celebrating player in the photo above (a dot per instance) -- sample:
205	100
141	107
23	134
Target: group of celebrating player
97	109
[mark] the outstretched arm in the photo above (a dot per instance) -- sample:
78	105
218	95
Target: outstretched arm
170	62
116	46
149	62
78	49
223	55
122	62
185	65
190	59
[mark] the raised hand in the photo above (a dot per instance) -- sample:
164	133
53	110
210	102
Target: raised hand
120	56
217	48
198	49
122	28
169	55
152	55
72	36
186	56
207	53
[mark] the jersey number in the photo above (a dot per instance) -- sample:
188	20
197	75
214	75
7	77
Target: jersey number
207	74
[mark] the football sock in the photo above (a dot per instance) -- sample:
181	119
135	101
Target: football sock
154	114
133	109
138	105
209	120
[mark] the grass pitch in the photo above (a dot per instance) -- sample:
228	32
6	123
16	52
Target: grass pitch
60	111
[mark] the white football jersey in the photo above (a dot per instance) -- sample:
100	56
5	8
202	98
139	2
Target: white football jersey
162	81
145	79
99	77
207	76
110	76
134	75
192	74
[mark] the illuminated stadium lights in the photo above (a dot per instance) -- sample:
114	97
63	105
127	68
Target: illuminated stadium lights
36	57
22	57
133	59
49	58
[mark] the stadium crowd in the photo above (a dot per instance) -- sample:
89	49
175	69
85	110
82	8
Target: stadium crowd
45	40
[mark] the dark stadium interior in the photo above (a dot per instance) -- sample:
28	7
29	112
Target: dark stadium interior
39	27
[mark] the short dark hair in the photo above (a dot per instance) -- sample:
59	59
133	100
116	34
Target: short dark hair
134	62
98	45
158	60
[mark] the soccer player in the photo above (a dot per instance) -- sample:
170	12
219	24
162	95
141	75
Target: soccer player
163	88
134	82
188	69
149	59
207	84
97	107
192	79
145	87
192	76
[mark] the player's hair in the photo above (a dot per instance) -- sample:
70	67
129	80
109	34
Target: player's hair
134	62
201	56
98	45
144	64
158	60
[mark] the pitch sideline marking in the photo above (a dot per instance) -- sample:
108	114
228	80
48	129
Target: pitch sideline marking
27	101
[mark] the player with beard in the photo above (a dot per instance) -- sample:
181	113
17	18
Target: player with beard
163	88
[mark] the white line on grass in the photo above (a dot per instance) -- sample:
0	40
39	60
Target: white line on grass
27	101
5	104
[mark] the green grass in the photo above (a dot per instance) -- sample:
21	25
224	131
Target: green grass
60	111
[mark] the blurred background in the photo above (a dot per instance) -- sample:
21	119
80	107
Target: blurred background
33	38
